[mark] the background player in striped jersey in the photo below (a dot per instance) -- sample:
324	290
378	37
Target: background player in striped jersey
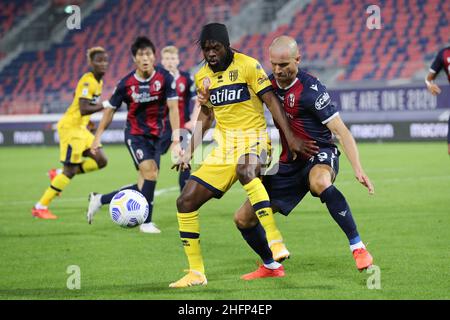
75	139
185	88
441	62
312	116
148	92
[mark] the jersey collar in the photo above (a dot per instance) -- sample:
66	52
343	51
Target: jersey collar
144	80
289	86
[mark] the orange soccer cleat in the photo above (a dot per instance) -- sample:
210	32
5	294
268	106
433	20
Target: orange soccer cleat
43	214
362	258
193	278
263	272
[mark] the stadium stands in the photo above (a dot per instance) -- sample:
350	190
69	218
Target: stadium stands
11	12
114	25
412	33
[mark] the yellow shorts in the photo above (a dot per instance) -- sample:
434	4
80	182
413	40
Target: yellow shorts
218	171
72	143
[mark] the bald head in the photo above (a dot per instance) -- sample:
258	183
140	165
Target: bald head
285	59
286	46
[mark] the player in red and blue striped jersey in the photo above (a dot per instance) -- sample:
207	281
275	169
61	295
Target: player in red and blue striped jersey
149	93
312	116
441	62
185	88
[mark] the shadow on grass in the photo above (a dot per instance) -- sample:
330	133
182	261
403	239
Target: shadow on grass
141	291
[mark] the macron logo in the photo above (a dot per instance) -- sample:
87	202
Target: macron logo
343	213
314	87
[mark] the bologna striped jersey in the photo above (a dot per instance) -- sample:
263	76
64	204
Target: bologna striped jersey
442	61
308	108
146	100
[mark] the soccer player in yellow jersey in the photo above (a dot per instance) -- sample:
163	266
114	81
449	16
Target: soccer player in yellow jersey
232	88
75	138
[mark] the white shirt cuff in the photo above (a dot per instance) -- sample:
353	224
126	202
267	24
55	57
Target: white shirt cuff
107	104
330	118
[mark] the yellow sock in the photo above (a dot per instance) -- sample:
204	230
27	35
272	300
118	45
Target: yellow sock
58	184
89	165
259	199
189	227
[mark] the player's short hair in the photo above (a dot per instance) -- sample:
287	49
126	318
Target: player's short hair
169	49
142	42
91	52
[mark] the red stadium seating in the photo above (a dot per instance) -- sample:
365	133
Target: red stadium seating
330	32
11	12
326	31
114	26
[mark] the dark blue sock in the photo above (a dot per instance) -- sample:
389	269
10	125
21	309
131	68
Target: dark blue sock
183	177
148	190
256	239
106	198
340	211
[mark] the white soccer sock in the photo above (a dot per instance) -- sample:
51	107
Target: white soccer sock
358	245
39	206
274	265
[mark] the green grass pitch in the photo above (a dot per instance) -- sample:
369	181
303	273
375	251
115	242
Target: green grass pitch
406	225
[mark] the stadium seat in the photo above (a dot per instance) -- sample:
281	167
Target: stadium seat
325	30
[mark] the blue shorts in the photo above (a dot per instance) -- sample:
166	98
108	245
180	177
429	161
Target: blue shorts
142	148
291	183
165	141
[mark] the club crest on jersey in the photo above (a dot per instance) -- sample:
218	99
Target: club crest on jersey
322	101
291	100
233	75
181	87
322	156
139	154
157	85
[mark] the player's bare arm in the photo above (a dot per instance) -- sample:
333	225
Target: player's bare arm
340	130
108	114
204	122
431	86
86	107
194	115
174	118
296	145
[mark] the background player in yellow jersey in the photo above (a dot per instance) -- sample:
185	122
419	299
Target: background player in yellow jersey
232	88
75	138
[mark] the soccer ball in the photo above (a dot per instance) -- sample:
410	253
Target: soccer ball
128	208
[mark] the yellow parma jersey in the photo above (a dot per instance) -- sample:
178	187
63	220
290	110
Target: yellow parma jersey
234	93
87	88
